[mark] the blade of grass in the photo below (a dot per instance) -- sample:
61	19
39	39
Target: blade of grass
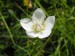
13	14
11	36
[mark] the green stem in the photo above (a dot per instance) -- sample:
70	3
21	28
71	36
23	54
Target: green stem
7	28
11	36
22	10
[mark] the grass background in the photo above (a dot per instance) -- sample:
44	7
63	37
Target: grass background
15	42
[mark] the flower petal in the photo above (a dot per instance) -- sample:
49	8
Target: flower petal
50	21
31	34
45	33
26	24
38	15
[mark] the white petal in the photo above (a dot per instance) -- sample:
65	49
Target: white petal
50	21
38	15
45	33
31	34
26	24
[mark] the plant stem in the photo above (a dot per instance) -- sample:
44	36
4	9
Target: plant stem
11	36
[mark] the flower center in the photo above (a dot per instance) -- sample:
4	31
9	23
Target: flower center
38	27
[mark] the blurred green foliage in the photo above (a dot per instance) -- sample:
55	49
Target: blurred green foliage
15	42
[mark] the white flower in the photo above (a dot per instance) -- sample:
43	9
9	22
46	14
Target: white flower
38	26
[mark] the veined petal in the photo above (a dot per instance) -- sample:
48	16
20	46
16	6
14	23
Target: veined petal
26	24
31	34
45	33
38	15
50	21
